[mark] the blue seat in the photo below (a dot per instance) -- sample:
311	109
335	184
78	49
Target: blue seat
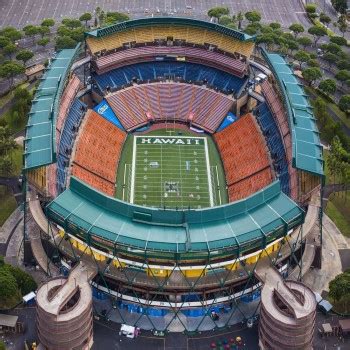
68	134
275	144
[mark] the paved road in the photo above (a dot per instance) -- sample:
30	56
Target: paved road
21	13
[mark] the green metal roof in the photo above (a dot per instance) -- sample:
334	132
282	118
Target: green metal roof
307	149
168	21
39	143
255	220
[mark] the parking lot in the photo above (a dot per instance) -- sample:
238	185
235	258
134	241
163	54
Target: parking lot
22	12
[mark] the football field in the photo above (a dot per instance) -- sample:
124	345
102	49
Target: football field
171	172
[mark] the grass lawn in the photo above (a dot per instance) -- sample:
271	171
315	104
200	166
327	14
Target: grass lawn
341	115
7	204
17	162
171	174
338	209
6	98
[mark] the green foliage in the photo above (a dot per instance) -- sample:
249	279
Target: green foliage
328	86
11	33
25	282
304	41
115	17
43	42
342	24
312	62
344	103
71	23
4	41
217	12
296	28
252	28
9	49
342	75
9	70
85	17
2	345
14	283
275	25
333	48
302	57
317	32
338	40
31	30
24	56
311	8
225	20
331	58
8	290
43	30
253	16
325	19
340	5
65	42
48	22
311	74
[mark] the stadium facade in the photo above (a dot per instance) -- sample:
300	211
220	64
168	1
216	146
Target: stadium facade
165	268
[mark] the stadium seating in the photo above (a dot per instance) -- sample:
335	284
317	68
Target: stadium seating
66	142
192	54
97	153
149	34
275	144
137	105
67	98
278	112
245	158
189	72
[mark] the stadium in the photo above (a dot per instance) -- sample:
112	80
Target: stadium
174	158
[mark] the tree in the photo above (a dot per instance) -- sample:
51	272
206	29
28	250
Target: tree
43	30
330	58
338	40
225	20
343	64
25	282
265	39
31	31
312	62
217	12
292	45
252	28
342	24
304	41
11	33
71	23
2	345
302	57
4	41
317	32
85	18
43	42
8	290
311	74
342	75
328	86
253	16
275	25
240	19
24	56
340	5
115	17
10	49
344	103
332	47
296	28
10	69
48	22
325	19
65	42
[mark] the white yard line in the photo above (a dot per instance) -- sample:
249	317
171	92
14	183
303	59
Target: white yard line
124	181
208	173
217	180
133	166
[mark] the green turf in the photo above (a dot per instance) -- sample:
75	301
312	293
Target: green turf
338	209
7	204
178	177
171	184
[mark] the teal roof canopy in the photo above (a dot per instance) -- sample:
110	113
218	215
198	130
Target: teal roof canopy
258	219
39	142
169	21
307	150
